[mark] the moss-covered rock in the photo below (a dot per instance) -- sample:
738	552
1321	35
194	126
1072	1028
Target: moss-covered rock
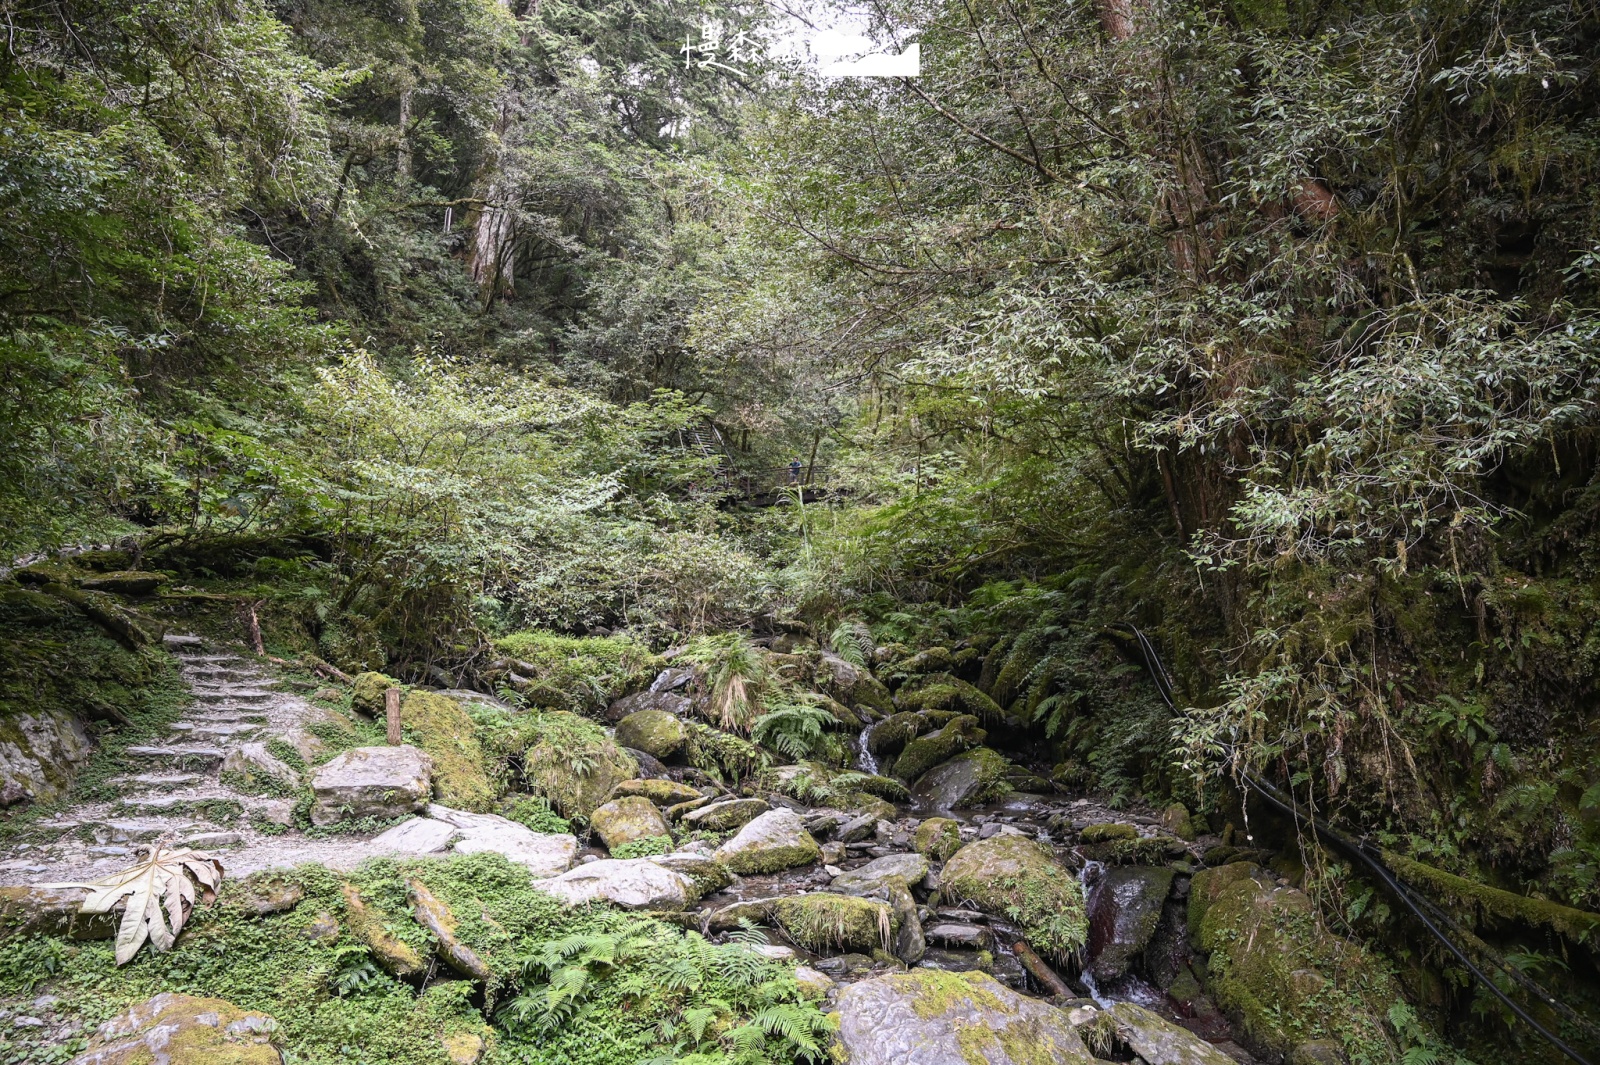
576	673
1106	833
443	728
661	792
574	764
626	820
925	752
126	582
725	816
774	841
825	923
370	926
435	915
851	685
1279	975
937	838
929	1017
895	731
173	1029
971	779
941	691
1175	819
1021	879
655	732
366	693
51	911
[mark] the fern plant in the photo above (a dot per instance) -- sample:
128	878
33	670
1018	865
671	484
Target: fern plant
852	641
733	676
794	730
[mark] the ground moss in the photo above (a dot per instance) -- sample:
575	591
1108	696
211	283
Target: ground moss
571	762
583	674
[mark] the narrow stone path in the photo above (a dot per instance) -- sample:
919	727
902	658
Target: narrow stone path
172	789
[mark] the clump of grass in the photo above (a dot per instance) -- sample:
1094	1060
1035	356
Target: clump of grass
733	676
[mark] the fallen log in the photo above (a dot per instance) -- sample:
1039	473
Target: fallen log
1040	971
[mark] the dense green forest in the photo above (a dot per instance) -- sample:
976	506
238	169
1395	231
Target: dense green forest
1266	331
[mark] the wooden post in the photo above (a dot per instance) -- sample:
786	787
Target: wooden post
391	713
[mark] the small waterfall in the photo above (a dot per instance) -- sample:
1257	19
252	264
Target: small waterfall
865	759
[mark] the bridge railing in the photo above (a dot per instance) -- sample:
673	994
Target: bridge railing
766	480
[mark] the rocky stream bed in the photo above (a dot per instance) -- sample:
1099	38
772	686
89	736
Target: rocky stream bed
947	904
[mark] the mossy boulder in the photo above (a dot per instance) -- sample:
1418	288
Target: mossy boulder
851	685
1106	833
775	841
1283	978
931	1017
52	911
908	869
925	752
932	660
655	732
370	926
661	792
1176	820
825	923
574	764
366	693
1021	879
174	1029
435	915
941	691
125	582
895	731
626	820
443	728
727	815
970	779
40	754
937	838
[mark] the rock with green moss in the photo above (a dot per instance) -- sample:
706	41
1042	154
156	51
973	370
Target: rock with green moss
661	792
775	841
908	869
1154	1038
941	691
1283	978
52	911
971	779
1106	833
726	815
708	874
40	754
1176	820
938	838
940	1018
851	685
375	782
174	1029
825	923
366	693
574	764
1020	878
895	731
932	660
925	752
435	915
370	926
655	732
627	820
251	767
443	728
1124	911
126	582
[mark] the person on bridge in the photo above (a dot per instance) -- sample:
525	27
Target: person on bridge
794	471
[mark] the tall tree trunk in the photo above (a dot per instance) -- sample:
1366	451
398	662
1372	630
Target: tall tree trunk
492	228
402	155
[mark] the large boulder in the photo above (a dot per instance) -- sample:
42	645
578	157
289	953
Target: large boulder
1157	1040
1020	879
825	923
443	728
908	869
366	693
929	1017
52	911
1124	910
895	731
941	691
938	838
625	820
251	767
543	853
727	815
774	841
40	754
967	780
664	701
1283	978
655	732
925	752
174	1029
631	883
575	765
852	685
378	782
